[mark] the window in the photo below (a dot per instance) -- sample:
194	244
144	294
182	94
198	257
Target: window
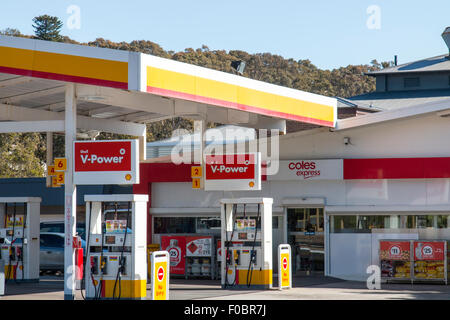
305	220
51	240
174	225
365	224
411	82
208	225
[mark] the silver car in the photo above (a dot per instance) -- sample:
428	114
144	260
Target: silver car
52	251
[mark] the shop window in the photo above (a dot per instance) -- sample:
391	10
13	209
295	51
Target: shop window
174	225
365	224
274	222
208	225
305	219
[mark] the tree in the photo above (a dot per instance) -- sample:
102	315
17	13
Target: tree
11	32
20	155
47	28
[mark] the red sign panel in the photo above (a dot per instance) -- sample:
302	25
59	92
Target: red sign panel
103	156
233	172
285	263
160	273
224	167
424	250
176	246
395	250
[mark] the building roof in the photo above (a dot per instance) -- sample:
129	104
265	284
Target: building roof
442	108
399	99
434	64
117	86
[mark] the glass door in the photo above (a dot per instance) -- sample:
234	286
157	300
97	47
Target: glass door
306	237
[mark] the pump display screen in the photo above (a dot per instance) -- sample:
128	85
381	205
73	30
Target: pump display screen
110	239
242	236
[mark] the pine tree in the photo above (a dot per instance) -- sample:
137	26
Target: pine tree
47	28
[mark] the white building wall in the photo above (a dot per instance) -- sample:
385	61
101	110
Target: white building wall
424	136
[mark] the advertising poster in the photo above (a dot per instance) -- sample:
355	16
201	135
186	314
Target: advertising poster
424	250
176	246
198	246
395	250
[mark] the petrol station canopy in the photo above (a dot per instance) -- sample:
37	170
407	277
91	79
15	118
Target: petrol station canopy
119	91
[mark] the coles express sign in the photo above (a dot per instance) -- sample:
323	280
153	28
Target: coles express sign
332	169
106	162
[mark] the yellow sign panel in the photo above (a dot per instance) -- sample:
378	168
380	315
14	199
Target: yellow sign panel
51	171
17	223
285	273
196	183
60	177
55	182
160	281
196	172
60	164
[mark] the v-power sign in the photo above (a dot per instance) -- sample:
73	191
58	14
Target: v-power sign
106	162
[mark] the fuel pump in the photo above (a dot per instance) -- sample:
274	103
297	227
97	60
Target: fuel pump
116	257
19	238
247	243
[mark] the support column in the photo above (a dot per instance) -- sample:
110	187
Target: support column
70	193
49	157
143	146
200	128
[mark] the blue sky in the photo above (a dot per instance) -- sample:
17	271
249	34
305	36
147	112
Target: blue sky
329	33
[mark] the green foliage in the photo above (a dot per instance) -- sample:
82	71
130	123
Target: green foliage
11	32
19	154
47	28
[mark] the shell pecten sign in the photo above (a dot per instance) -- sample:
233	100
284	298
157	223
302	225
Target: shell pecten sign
106	162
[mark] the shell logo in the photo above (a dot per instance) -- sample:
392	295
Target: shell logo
128	177
251	184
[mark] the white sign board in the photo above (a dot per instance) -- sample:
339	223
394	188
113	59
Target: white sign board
309	170
160	267
284	267
106	162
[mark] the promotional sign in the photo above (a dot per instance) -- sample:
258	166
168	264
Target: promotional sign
424	250
233	172
117	226
160	275
284	266
395	250
106	162
198	246
309	170
176	246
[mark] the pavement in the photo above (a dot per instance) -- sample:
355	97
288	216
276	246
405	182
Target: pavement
51	287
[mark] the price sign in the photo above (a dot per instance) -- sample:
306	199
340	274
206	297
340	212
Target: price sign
60	164
51	171
55	183
196	183
60	178
196	172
